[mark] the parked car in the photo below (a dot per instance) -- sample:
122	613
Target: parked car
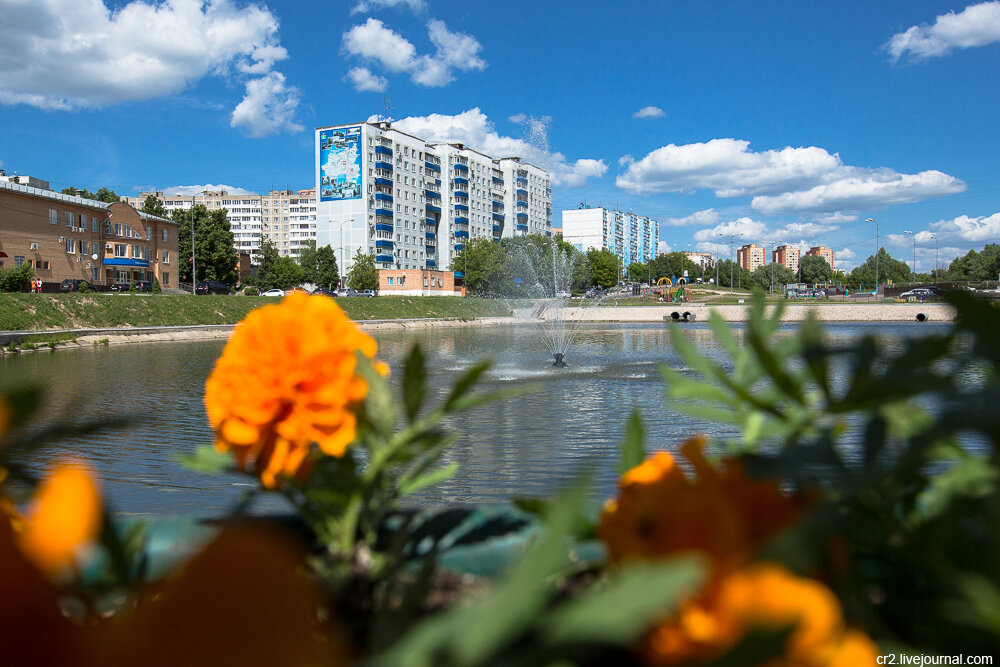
274	292
347	292
73	285
325	292
920	292
140	286
562	295
367	292
212	287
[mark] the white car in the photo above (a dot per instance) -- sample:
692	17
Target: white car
274	292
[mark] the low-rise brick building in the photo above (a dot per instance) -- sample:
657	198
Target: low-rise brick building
418	282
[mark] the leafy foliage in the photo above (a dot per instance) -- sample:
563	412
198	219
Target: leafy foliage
154	206
889	268
103	194
16	278
215	256
363	275
604	267
814	269
319	265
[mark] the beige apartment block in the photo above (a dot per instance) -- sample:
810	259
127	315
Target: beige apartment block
787	256
68	237
824	252
750	257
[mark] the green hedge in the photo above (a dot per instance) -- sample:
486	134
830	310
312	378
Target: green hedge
73	311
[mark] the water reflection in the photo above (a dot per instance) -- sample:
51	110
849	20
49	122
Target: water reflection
526	446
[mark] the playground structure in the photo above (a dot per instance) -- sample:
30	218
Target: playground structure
667	290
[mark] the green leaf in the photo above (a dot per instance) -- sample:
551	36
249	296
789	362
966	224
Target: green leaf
380	407
207	459
408	486
638	596
414	382
633	449
22	401
465	383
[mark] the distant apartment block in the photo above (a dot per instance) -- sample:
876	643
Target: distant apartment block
825	253
631	237
703	259
286	217
415	204
750	257
68	237
787	256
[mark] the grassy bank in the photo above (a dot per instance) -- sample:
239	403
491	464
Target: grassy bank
76	311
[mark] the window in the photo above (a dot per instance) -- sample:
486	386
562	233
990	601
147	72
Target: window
40	264
128	230
53	216
388	280
83	221
163	235
118	229
149	233
94	271
69	219
166	279
70	244
136	252
19	259
166	257
121	250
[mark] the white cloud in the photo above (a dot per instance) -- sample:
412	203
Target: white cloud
67	54
364	80
189	190
785	180
475	130
745	229
845	254
976	25
374	5
268	107
649	112
793	229
835	217
374	42
981	230
517	118
702	218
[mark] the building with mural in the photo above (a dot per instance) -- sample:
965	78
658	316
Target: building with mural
415	203
631	237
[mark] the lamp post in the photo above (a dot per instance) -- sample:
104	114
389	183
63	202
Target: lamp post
773	243
876	253
913	266
732	240
936	278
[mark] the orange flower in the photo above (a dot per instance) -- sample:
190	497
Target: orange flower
287	379
66	516
722	513
764	597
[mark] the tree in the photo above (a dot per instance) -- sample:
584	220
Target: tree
888	269
763	276
604	267
638	272
814	269
363	274
153	206
103	194
485	267
673	265
319	266
16	278
215	256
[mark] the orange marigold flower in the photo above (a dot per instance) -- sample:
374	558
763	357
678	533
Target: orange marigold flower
66	516
287	379
764	596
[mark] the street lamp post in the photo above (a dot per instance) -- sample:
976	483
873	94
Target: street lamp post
773	243
732	240
935	258
913	266
876	253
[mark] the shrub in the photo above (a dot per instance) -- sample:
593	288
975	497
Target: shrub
157	289
84	287
16	278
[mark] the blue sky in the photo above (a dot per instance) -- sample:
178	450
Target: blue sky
782	121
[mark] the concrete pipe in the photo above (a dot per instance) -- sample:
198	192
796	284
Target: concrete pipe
688	317
675	316
921	317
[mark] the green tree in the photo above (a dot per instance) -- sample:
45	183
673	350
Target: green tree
319	265
814	269
16	278
777	274
284	273
215	256
103	194
638	272
673	265
486	268
888	269
363	274
153	206
604	267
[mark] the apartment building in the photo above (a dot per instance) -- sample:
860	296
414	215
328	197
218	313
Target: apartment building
750	256
787	256
824	252
69	237
288	219
703	259
415	203
631	237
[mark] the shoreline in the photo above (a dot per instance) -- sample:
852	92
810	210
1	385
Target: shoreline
893	312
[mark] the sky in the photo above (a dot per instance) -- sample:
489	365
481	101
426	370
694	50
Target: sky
780	121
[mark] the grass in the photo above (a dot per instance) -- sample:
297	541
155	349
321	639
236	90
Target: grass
38	312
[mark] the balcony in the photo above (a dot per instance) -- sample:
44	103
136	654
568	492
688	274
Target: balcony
432	166
521	180
459	246
462	181
433	209
387	259
432	264
498	181
461	207
381	196
387	166
521	193
383	227
384	243
461	195
522	216
430	247
461	234
384	212
383	181
522	228
430	236
383	150
459	220
497	229
458	166
522	204
431	221
431	194
498	217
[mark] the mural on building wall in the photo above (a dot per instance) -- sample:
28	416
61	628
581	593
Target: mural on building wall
340	163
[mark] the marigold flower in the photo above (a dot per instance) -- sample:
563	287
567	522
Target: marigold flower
66	516
287	379
767	597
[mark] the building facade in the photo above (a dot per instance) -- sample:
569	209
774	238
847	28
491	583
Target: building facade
750	256
824	252
68	237
631	237
703	259
415	204
417	282
787	256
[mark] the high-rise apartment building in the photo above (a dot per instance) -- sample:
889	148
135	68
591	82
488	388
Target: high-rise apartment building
750	257
415	203
631	237
824	252
787	256
289	219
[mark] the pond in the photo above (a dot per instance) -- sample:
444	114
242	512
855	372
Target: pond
529	445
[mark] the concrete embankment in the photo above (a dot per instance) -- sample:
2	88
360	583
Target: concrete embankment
889	312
